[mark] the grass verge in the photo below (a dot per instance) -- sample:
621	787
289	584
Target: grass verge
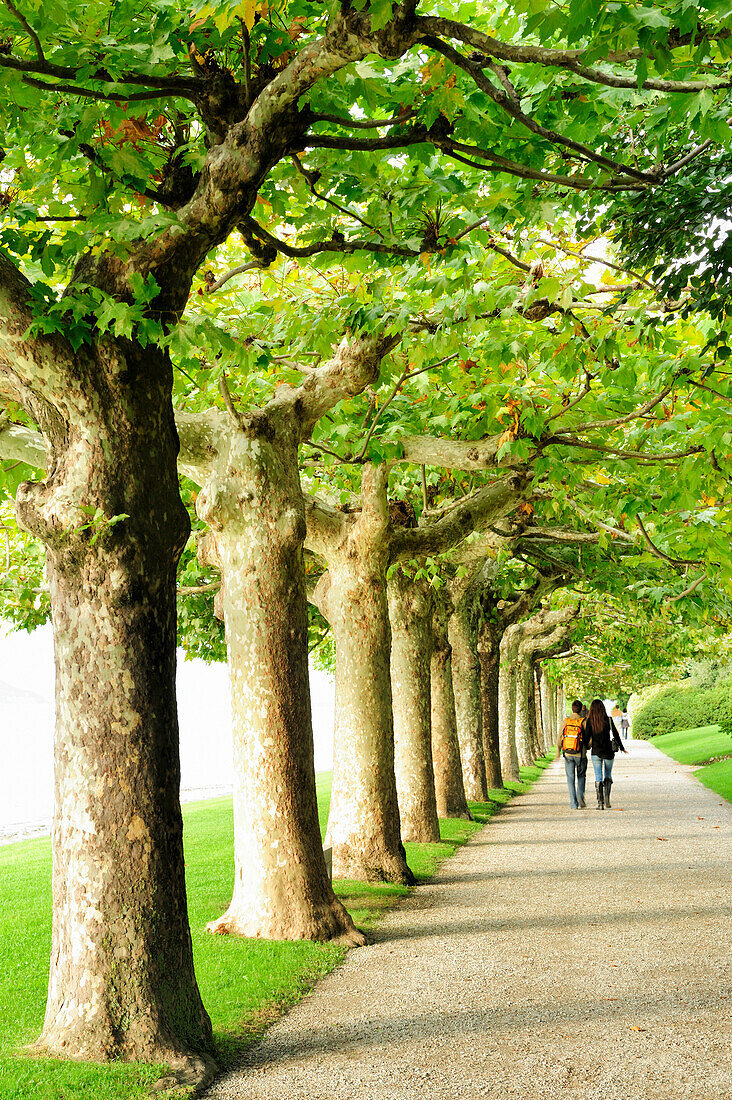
694	746
700	746
245	984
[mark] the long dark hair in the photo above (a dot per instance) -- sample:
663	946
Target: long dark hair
597	716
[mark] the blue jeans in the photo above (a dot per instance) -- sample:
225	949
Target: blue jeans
597	764
574	765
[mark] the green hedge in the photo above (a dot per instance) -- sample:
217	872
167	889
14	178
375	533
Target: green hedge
677	707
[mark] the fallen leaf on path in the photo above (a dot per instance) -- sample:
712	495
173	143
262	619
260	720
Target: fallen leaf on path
700	819
661	838
634	1027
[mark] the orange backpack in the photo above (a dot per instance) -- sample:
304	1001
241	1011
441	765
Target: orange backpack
572	734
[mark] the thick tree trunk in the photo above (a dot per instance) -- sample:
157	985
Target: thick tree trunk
410	612
507	706
552	708
451	801
540	707
534	732
253	504
524	692
364	826
468	713
121	981
488	652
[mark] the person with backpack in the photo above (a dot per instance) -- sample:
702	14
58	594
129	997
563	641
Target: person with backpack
571	746
601	737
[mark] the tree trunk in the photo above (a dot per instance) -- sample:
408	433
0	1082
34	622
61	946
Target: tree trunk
410	612
364	824
488	652
524	690
253	505
467	690
552	707
507	706
540	708
121	981
534	732
451	801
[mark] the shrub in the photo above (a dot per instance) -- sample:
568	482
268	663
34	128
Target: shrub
678	707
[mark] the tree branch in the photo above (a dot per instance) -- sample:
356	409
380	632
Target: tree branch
688	591
21	444
211	287
510	105
407	374
490	503
188	85
27	28
660	553
353	367
637	455
336	244
325	525
455	454
363	123
108	97
310	179
199	589
617	421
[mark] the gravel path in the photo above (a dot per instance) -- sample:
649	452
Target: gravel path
571	954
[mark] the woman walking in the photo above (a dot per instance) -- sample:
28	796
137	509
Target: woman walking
601	737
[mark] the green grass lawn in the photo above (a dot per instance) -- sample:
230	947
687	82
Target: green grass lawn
698	746
718	777
695	746
245	984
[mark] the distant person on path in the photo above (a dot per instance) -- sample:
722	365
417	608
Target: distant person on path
571	746
624	725
601	737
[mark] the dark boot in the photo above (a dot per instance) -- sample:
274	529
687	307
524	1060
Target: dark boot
608	785
600	792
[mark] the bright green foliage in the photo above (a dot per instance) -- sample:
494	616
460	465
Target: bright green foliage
23	591
683	707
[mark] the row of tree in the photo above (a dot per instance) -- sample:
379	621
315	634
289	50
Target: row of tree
427	277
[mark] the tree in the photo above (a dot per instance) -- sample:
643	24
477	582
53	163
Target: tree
410	616
247	465
93	282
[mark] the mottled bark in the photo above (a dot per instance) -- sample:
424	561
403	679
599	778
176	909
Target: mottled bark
524	694
410	613
488	652
534	732
254	507
561	705
121	981
468	712
507	704
542	709
449	787
364	825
